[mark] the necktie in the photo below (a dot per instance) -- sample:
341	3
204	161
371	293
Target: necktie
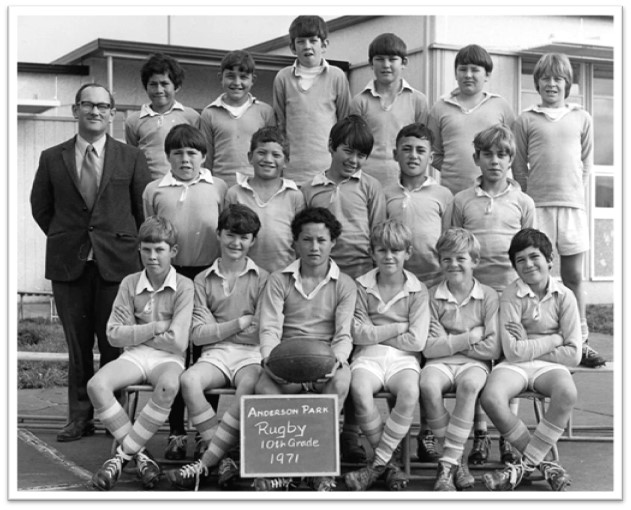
88	180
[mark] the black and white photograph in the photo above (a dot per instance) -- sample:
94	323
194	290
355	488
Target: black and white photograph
259	253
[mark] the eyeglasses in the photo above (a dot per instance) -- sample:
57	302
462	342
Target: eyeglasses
88	106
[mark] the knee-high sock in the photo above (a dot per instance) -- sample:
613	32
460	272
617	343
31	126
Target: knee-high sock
456	437
205	422
115	419
543	439
372	425
149	421
518	436
224	439
439	425
397	426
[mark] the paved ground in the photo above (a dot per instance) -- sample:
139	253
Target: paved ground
46	465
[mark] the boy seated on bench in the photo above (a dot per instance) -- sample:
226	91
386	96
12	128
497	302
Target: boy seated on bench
151	318
225	323
540	331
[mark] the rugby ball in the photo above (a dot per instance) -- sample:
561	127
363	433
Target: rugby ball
301	360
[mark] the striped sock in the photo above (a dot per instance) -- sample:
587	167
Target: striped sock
397	426
518	436
149	421
439	425
224	439
372	425
456	437
115	419
543	439
205	422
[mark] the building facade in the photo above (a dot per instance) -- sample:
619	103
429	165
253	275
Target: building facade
45	94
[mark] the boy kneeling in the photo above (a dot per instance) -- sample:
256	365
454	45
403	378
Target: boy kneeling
151	318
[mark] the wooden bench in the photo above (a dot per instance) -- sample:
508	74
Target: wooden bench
47	294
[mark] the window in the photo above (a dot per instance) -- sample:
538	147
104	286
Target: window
602	227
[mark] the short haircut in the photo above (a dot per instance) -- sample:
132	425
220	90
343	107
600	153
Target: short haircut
239	59
526	238
354	132
316	215
554	64
387	44
458	240
240	219
77	98
391	234
417	130
270	134
475	55
498	135
307	26
160	63
156	229
185	135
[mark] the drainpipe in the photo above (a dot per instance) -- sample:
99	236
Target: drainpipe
110	83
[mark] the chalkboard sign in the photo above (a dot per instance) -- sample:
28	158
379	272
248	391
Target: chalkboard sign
289	435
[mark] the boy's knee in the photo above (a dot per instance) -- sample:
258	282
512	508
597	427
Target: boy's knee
188	381
166	389
409	394
470	387
489	399
566	396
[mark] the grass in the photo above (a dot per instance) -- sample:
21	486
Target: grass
42	335
600	318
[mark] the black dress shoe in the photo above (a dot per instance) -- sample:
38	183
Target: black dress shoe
75	430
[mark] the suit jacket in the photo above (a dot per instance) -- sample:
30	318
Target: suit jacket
71	228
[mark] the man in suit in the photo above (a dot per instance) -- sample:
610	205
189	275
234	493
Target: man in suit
87	198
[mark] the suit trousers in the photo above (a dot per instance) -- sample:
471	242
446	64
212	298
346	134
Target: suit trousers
84	306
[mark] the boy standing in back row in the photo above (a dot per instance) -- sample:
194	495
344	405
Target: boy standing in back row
387	104
309	98
229	121
162	78
555	154
457	117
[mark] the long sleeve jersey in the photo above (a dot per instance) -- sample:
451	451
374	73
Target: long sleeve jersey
359	204
454	129
494	220
218	308
480	308
273	249
554	157
552	324
401	323
325	314
172	302
426	211
409	106
307	116
228	137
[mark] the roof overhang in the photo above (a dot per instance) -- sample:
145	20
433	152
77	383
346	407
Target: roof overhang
587	52
132	50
